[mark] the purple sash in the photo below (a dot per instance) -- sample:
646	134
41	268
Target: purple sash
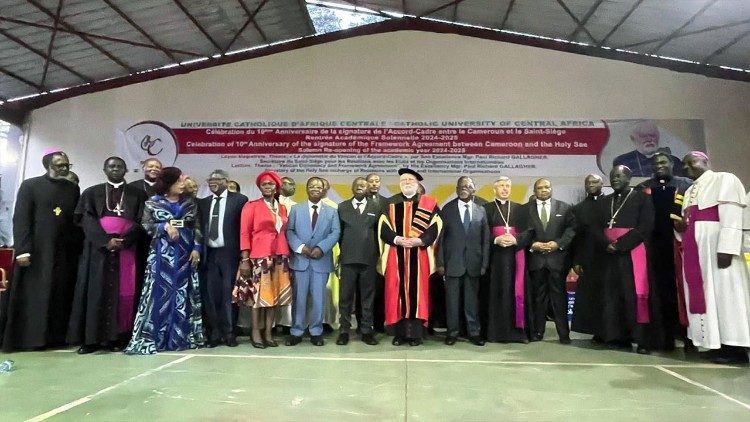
640	273
691	259
519	276
125	316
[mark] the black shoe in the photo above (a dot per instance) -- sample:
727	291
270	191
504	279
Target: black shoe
642	350
114	347
398	341
450	340
293	340
85	350
211	344
317	340
730	360
565	340
271	343
232	341
536	337
476	341
342	339
415	342
256	344
369	339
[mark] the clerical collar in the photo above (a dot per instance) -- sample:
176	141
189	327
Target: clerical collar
116	185
502	201
149	183
595	197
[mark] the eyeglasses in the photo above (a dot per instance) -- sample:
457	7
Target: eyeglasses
63	165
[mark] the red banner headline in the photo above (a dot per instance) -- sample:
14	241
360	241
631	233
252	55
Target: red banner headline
390	140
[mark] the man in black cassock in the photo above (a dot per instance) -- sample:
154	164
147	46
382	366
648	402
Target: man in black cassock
36	307
506	315
629	296
663	188
105	296
587	260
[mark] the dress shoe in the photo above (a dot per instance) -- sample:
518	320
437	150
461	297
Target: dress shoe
317	340
85	350
369	339
642	350
565	340
342	339
398	341
271	343
293	340
231	341
211	344
415	342
476	341
536	337
257	344
730	360
114	347
450	340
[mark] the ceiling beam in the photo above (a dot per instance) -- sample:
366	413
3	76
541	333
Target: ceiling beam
140	29
585	19
619	24
20	78
676	32
439	8
88	40
507	13
688	33
576	20
41	54
251	18
197	25
52	41
726	46
97	36
388	26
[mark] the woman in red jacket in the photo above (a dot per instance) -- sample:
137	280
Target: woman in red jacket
264	282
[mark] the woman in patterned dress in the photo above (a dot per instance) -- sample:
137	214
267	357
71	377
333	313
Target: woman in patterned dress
169	313
265	279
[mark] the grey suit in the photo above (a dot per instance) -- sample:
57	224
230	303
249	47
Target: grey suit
547	270
465	254
358	258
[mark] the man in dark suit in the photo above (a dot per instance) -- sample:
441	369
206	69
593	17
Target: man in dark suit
151	170
312	231
358	258
552	224
462	257
219	215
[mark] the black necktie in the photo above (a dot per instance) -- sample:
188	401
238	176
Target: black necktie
314	216
359	210
213	227
467	217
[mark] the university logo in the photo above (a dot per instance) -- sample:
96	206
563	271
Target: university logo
148	139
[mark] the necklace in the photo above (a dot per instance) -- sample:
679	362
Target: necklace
612	208
507	226
118	206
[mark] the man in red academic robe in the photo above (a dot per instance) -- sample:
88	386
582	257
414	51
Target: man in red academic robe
408	228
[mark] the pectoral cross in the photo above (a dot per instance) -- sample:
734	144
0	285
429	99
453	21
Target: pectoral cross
507	229
118	210
57	211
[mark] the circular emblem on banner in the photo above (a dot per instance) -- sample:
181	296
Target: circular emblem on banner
150	139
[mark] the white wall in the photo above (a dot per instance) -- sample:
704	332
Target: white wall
409	76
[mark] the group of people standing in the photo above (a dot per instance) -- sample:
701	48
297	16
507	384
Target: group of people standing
159	269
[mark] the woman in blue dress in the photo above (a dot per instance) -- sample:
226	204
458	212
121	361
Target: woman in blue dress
169	313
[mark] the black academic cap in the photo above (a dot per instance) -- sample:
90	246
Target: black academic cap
405	170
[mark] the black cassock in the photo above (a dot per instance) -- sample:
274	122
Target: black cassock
94	319
618	314
662	192
36	307
501	313
588	254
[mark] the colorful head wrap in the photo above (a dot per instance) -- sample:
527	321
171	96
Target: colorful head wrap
272	176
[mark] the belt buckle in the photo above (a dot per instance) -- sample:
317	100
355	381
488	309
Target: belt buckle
178	224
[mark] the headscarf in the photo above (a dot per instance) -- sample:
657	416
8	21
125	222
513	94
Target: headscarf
272	176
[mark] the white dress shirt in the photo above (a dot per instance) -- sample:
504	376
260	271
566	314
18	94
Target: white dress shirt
219	242
361	207
462	209
548	206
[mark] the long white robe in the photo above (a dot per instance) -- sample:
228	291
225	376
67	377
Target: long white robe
727	291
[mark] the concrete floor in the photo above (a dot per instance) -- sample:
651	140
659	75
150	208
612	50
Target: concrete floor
542	381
